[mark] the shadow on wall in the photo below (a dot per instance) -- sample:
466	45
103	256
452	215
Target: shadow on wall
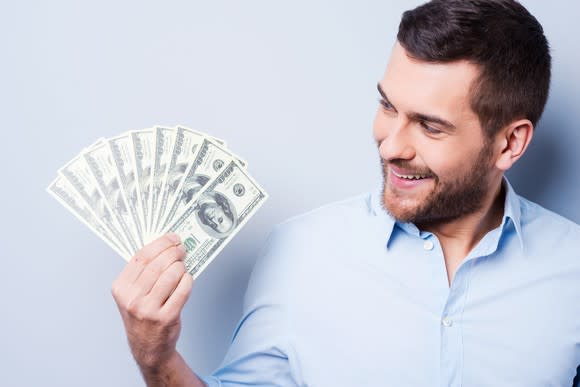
543	174
535	174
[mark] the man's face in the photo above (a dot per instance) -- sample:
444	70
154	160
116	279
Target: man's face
218	219
437	165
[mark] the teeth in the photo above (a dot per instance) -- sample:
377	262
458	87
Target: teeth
410	177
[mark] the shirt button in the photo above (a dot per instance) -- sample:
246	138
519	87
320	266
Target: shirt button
447	322
428	245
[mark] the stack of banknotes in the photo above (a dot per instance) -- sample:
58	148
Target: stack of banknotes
132	188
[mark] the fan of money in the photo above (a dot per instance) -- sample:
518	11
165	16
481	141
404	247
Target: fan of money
135	187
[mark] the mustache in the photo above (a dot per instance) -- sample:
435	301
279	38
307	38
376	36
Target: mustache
404	164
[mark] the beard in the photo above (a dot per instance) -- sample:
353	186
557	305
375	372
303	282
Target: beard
448	200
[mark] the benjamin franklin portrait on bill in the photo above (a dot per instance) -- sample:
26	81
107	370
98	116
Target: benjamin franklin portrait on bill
215	214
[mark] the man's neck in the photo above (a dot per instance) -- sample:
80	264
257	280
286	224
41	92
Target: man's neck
460	236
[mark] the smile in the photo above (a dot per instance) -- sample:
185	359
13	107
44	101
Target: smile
410	177
404	181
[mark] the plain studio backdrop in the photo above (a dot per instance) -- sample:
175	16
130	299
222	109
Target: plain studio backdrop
291	87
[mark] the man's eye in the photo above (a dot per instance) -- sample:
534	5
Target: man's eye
386	105
429	129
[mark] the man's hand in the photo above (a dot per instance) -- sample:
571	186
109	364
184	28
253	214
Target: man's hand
150	293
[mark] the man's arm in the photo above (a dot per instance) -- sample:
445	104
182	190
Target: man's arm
150	293
175	373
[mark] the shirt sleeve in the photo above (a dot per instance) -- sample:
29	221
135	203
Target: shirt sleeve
259	352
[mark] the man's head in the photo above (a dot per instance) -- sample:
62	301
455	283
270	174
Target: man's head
466	83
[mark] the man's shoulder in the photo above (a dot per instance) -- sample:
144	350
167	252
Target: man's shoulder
321	232
344	212
548	229
302	247
534	214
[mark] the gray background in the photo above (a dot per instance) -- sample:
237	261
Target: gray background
289	85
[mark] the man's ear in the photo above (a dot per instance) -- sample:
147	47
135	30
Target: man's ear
511	143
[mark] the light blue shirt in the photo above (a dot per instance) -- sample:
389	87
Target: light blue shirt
346	296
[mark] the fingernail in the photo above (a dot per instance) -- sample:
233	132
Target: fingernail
173	237
181	248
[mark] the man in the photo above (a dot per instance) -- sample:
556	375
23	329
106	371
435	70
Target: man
445	276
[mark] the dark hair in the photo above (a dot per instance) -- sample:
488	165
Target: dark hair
502	38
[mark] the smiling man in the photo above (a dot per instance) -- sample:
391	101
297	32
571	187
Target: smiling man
442	277
442	171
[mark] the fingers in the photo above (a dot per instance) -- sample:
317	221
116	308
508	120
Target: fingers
178	298
156	269
144	256
124	288
166	284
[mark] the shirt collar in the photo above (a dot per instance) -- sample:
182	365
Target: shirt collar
385	220
512	212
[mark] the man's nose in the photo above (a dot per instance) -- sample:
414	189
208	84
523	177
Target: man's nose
397	144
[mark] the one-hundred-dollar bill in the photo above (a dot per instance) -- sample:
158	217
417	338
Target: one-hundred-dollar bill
143	148
122	151
100	161
65	194
162	157
220	210
78	174
185	146
221	142
208	163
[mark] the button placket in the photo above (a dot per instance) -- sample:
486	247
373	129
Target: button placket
451	322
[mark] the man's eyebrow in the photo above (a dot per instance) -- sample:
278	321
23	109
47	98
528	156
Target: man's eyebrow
434	119
419	116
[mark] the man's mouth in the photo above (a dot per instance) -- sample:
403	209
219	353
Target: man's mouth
411	177
408	180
